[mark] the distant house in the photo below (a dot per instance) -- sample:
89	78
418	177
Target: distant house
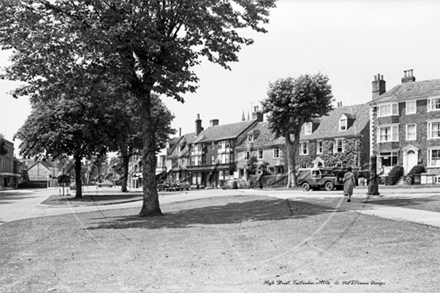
261	143
212	153
180	158
339	139
405	124
10	167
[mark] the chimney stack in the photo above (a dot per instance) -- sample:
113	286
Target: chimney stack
198	125
180	131
257	114
339	104
408	76
213	122
378	86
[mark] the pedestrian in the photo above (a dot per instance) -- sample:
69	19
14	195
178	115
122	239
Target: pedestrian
348	183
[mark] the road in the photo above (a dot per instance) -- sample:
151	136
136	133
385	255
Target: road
23	204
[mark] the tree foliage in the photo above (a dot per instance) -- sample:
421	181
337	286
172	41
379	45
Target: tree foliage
151	46
291	102
3	150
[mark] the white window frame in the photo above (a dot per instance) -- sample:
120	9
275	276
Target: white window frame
394	133
407	133
430	161
276	152
308	127
319	147
260	154
335	146
343	123
431	104
411	109
393	110
304	148
431	131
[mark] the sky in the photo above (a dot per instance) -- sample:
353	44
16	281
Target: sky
349	41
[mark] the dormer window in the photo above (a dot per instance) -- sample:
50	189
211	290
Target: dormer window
250	137
308	128
343	125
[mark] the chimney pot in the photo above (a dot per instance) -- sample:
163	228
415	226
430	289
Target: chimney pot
409	77
378	86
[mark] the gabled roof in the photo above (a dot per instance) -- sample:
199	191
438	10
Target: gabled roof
265	138
410	90
329	125
187	139
221	132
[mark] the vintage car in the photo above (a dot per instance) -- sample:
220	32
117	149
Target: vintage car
164	185
179	185
317	178
105	184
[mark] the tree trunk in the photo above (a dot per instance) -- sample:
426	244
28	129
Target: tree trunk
125	161
78	176
150	205
290	161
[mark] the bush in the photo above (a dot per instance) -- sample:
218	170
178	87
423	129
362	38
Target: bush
395	174
417	169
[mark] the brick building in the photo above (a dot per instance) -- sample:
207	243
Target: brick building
10	167
261	143
212	153
405	123
339	139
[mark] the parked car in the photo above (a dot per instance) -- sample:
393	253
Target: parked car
105	184
179	185
164	185
317	178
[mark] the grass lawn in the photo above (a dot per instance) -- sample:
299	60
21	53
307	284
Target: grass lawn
226	244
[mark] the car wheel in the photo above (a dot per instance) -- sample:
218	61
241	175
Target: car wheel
329	186
305	186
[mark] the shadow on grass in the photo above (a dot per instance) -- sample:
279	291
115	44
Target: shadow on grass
95	199
230	213
9	198
431	202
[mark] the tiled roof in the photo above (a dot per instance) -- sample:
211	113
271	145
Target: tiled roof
329	125
263	137
187	139
221	132
418	89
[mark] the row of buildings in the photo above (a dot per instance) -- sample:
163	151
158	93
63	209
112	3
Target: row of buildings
401	126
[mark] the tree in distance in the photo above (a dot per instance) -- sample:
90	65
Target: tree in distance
148	46
291	102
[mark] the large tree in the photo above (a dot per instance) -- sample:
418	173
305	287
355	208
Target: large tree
127	131
151	45
68	127
291	102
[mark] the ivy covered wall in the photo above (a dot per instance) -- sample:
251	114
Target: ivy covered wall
353	154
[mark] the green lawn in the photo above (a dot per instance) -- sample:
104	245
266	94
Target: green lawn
227	244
